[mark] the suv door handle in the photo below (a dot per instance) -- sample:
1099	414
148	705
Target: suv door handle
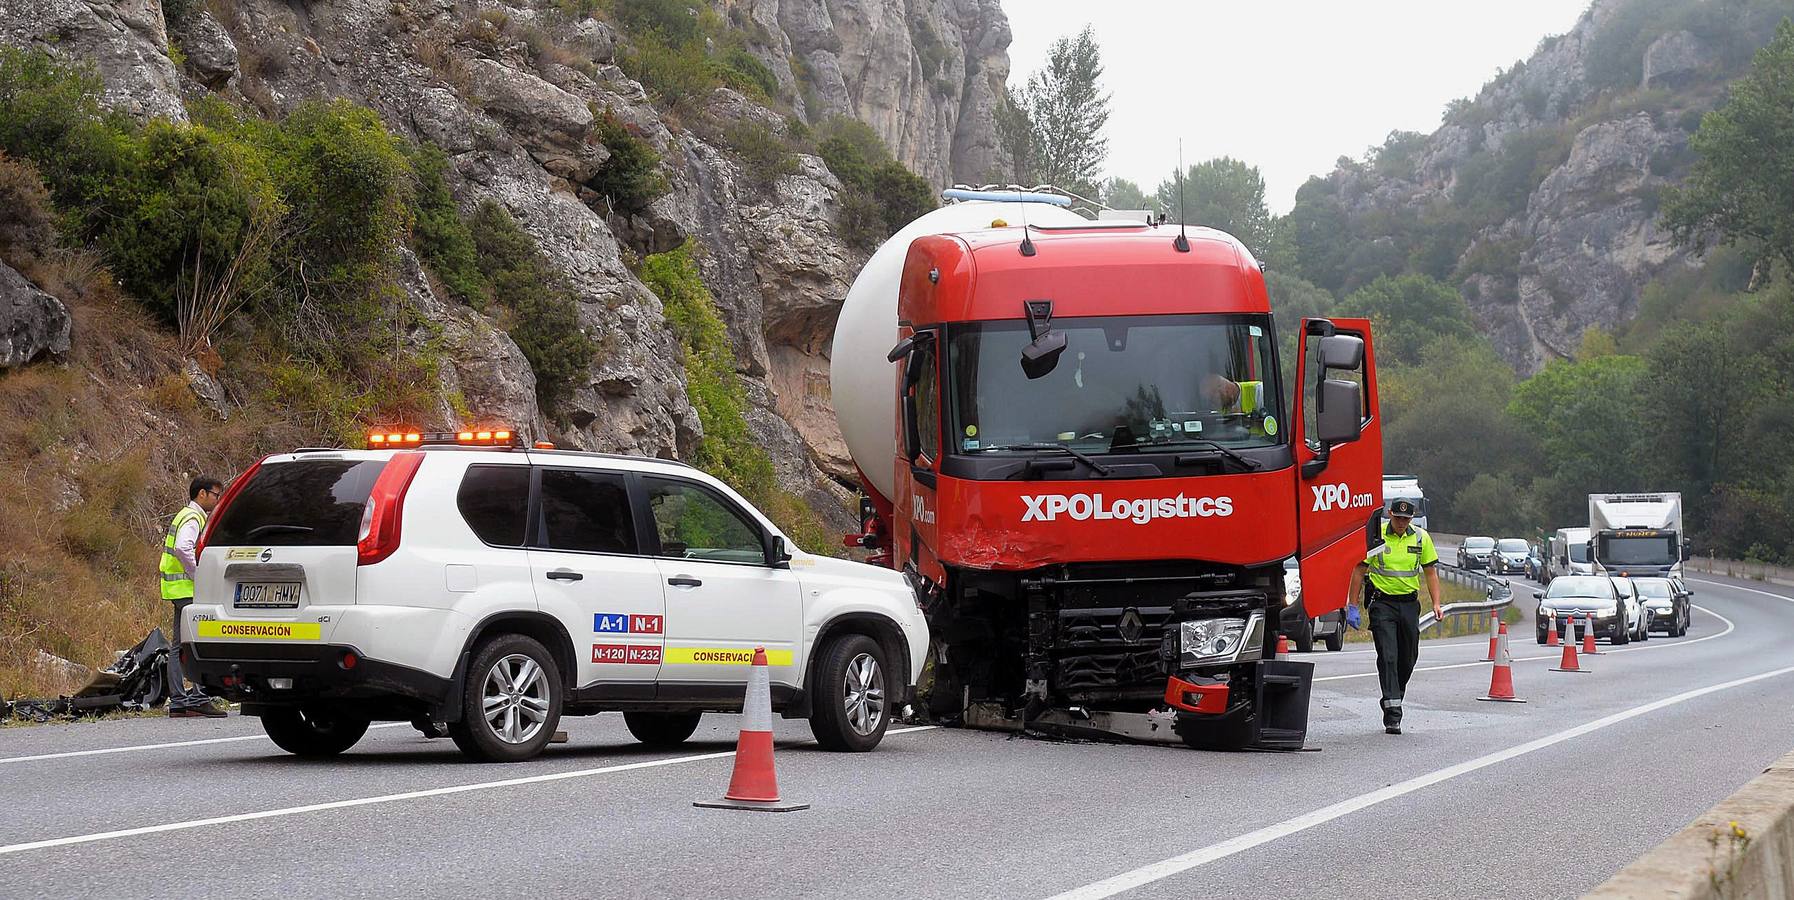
684	581
564	575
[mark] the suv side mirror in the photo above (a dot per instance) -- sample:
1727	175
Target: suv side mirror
778	556
1538	595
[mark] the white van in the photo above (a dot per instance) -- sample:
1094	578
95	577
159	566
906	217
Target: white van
1568	554
1405	487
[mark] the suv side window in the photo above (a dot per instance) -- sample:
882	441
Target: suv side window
494	500
585	511
696	523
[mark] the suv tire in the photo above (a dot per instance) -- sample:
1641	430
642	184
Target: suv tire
313	733
659	729
853	695
519	676
1336	639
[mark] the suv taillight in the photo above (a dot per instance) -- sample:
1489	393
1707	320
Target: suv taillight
386	502
230	493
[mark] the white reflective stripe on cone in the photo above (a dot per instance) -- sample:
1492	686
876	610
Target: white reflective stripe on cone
756	708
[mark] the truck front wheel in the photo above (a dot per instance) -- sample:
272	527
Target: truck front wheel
852	706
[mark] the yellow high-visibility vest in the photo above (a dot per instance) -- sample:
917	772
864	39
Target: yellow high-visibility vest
175	583
1395	569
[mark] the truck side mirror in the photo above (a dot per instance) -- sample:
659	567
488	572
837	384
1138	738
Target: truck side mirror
1342	351
913	370
1338	419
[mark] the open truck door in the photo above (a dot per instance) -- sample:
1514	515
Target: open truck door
1339	455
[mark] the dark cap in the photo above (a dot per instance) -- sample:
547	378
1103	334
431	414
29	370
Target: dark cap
1403	508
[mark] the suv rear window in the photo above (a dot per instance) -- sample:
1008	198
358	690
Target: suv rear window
495	502
305	503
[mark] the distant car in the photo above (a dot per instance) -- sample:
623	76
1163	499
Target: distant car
1618	614
1510	556
1476	552
1668	599
1301	627
1535	564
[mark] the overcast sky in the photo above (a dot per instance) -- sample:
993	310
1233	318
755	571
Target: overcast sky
1286	85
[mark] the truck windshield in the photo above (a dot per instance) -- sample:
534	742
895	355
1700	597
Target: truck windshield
1579	553
1123	384
1638	551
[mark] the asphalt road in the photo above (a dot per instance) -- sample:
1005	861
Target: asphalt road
1543	799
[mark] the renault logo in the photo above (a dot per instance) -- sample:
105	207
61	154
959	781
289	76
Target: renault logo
1131	626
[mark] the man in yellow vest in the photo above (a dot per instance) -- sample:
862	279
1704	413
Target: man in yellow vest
177	567
1391	576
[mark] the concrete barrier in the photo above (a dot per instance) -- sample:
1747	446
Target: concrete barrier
1742	849
1733	568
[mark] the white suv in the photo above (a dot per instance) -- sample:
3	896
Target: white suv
496	588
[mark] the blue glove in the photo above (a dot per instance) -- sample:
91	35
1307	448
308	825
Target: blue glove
1352	616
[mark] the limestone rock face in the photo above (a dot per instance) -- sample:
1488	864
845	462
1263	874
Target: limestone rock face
1577	247
33	324
126	39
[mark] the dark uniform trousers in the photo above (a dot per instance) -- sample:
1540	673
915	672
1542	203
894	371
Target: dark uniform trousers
1395	625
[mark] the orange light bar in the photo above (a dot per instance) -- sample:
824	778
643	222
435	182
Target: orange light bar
464	436
483	436
501	435
376	438
545	445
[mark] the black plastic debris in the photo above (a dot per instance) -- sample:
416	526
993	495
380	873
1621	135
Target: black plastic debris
136	681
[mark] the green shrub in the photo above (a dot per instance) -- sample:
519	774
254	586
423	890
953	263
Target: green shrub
879	195
631	177
728	450
744	72
674	22
543	314
676	76
764	155
438	232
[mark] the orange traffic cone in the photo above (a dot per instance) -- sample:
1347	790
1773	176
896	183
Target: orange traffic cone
1494	628
1551	633
1568	662
1588	636
1501	677
754	785
1282	646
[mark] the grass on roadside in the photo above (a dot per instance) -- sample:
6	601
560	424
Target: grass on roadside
1453	626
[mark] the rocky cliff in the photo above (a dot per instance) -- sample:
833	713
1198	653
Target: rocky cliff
1539	197
512	92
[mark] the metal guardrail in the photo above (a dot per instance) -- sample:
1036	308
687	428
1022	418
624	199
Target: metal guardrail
1498	591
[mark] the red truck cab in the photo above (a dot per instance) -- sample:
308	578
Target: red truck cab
1101	470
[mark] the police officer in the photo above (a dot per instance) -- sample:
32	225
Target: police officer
1388	582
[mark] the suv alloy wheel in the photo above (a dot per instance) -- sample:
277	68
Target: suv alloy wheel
852	708
511	701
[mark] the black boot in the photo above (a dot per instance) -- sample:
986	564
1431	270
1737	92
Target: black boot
1392	719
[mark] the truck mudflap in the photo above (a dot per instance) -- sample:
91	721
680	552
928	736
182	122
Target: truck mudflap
1268	713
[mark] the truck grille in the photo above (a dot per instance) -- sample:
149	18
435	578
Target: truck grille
1107	648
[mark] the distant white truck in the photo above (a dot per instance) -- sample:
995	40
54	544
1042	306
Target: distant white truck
1405	487
1636	535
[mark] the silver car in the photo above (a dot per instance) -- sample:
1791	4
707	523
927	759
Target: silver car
1509	556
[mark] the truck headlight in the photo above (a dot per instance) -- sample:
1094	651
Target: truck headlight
1207	641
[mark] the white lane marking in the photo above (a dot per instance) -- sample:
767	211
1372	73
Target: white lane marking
1729	628
1738	588
1424	645
1148	874
385	798
172	744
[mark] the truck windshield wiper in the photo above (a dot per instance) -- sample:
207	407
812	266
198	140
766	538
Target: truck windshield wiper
1078	455
263	529
1246	461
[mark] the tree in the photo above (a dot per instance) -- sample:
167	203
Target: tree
1120	193
1741	185
1066	108
1584	416
1408	313
1222	193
